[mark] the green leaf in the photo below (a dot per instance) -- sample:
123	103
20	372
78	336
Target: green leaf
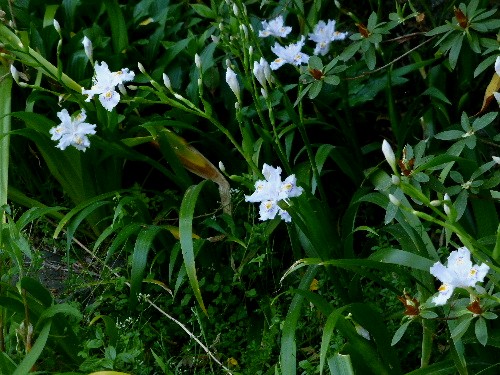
459	330
186	238
119	32
30	359
62	308
288	349
484	121
403	258
449	135
37	290
332	80
455	50
340	364
139	260
316	87
436	93
400	332
481	331
315	63
204	11
328	332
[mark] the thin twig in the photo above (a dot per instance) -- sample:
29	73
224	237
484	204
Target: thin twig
392	62
158	308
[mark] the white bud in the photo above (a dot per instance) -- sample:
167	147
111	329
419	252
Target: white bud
446	202
121	88
233	83
435	203
15	73
221	26
215	39
177	96
23	84
245	30
222	167
250	51
197	61
263	91
199	82
228	63
236	11
237	106
132	87
141	68
57	26
87	46
395	180
395	201
496	159
389	155
166	82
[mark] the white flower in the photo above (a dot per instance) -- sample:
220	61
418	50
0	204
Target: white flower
104	84
290	54
389	155
459	273
72	132
232	81
496	159
274	27
271	190
323	35
87	46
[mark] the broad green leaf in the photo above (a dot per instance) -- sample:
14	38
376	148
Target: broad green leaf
186	238
340	364
436	93
449	135
119	31
403	258
328	331
288	350
62	308
37	290
142	246
204	11
110	325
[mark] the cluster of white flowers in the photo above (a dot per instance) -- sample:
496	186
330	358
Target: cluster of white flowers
459	273
323	35
271	190
105	83
72	131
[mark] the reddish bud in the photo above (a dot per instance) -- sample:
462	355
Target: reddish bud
411	305
475	307
317	74
363	30
461	18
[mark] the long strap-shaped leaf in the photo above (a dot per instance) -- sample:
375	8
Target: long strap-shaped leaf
186	238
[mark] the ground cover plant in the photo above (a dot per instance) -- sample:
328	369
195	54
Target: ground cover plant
249	187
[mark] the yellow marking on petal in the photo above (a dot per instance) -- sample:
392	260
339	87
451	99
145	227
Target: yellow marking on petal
108	95
268	205
443	288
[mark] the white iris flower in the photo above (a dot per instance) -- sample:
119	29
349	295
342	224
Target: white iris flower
271	190
459	273
323	35
104	85
274	27
290	54
72	131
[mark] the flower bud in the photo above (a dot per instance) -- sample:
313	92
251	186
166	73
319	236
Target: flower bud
57	26
496	159
15	73
233	83
178	97
236	10
446	202
250	51
389	155
87	46
435	203
395	179
395	201
214	38
197	61
166	82
141	68
245	30
222	167
263	91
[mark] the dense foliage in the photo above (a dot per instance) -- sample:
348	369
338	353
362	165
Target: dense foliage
249	187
